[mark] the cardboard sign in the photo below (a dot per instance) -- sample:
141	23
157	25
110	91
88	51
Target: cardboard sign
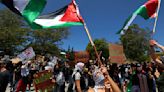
82	56
15	60
27	54
116	53
42	81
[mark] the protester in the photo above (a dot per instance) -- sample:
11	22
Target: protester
103	82
142	79
89	77
16	75
159	62
4	76
78	77
59	78
22	83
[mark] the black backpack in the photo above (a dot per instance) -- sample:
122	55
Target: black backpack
82	82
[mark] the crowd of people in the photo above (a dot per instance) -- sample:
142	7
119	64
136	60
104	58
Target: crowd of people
88	77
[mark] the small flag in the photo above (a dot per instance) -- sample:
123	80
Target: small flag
148	10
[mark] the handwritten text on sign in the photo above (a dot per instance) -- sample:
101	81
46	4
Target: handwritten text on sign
116	53
43	82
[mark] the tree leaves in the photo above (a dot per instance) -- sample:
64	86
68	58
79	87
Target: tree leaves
15	35
101	45
136	43
11	33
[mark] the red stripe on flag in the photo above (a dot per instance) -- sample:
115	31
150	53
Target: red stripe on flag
151	7
71	14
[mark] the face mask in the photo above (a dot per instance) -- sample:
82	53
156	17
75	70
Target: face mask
99	79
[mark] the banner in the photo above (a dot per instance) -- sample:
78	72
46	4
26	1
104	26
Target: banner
27	54
116	53
42	81
81	56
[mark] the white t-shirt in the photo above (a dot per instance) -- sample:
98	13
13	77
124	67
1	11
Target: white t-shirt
77	76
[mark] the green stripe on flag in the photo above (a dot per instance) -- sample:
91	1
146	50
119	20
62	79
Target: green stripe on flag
33	10
142	11
122	29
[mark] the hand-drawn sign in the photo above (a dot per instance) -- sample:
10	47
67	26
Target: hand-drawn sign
82	56
116	53
42	81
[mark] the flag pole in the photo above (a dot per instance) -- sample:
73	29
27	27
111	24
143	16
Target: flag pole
155	23
92	43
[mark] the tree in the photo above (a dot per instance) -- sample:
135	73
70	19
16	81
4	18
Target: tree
47	41
101	45
70	54
11	32
16	36
136	43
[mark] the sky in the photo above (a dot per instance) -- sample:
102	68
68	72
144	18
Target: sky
104	18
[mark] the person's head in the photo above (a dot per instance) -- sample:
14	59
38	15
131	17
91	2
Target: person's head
49	68
79	66
98	77
133	66
57	66
139	67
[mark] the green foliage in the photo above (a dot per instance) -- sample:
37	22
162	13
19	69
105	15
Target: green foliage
136	43
14	33
47	41
101	45
11	32
70	54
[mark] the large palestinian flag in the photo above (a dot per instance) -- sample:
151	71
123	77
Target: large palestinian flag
148	10
64	17
29	9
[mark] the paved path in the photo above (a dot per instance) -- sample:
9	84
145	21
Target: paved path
31	89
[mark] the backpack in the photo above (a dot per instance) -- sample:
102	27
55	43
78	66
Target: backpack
82	82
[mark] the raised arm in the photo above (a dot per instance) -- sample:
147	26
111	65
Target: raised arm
114	86
153	42
152	53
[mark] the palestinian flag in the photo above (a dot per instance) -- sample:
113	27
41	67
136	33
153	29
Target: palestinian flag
29	9
64	17
148	10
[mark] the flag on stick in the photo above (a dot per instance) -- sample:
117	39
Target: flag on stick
64	17
155	23
148	10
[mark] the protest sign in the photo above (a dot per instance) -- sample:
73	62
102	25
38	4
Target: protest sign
15	60
116	53
27	54
42	81
81	56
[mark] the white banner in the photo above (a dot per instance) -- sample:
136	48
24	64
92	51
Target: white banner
27	54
